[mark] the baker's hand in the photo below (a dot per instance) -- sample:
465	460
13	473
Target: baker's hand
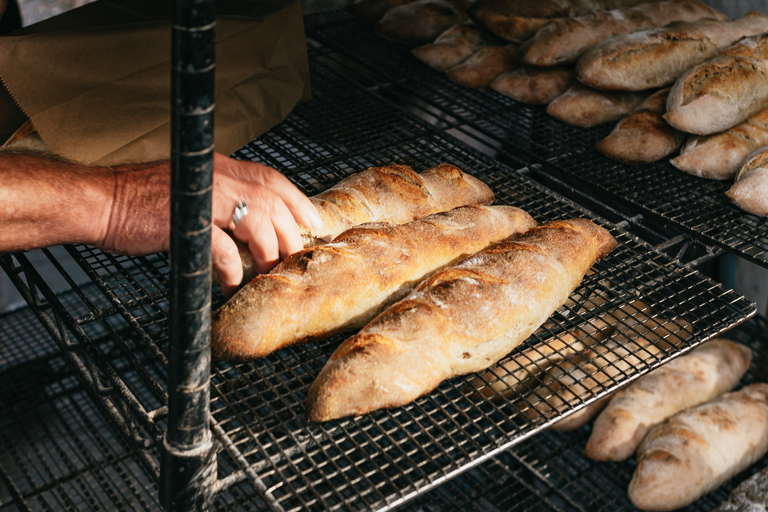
275	208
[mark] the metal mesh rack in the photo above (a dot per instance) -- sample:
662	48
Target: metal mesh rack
504	127
386	458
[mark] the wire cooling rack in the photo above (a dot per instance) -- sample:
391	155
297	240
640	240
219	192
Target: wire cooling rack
502	126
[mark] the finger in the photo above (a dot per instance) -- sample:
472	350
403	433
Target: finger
301	207
286	231
226	261
257	231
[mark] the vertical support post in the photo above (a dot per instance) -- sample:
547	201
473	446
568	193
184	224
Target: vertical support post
187	467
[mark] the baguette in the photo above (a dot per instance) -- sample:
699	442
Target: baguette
518	20
690	380
697	450
586	107
656	57
453	46
419	22
534	85
720	156
722	92
391	193
479	70
750	496
371	11
563	40
643	136
320	291
460	320
750	191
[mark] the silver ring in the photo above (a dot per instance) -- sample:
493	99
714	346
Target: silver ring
241	210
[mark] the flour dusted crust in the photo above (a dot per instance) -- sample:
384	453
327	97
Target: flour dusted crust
454	46
656	57
538	86
722	92
698	377
480	69
450	323
750	189
698	449
643	136
564	40
720	156
586	107
342	285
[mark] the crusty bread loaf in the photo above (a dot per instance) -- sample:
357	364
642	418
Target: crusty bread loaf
479	70
342	285
586	107
534	85
749	496
419	22
690	380
656	57
722	92
518	20
454	46
643	136
750	191
371	11
720	156
460	320
698	449
564	40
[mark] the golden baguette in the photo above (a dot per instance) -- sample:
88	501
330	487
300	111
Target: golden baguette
460	320
454	46
479	70
342	285
420	22
538	86
586	107
695	378
698	449
750	189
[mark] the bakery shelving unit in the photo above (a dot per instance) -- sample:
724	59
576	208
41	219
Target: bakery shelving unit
114	332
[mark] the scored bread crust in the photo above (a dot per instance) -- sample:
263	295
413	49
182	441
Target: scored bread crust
342	285
657	57
698	377
586	107
537	86
750	190
460	320
479	70
698	449
722	92
564	40
643	136
453	46
420	22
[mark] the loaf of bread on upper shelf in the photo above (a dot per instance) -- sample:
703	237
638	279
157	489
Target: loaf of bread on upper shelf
643	136
420	22
564	40
692	379
721	155
323	290
518	20
460	320
656	57
371	11
454	46
479	70
750	190
698	449
722	92
390	193
586	107
538	86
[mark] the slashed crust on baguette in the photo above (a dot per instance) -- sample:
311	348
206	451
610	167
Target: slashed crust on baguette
420	22
538	86
454	46
750	190
479	70
451	324
586	107
342	285
371	11
643	136
698	449
722	92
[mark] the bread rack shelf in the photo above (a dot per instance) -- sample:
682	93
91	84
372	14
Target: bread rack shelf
385	459
503	127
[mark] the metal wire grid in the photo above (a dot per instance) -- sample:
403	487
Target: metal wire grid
697	206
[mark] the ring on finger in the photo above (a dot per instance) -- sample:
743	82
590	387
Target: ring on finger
241	210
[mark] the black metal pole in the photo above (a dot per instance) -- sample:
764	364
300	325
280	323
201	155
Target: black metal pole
188	466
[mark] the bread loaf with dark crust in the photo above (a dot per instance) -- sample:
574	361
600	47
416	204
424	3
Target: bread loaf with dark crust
750	189
323	290
460	320
586	107
479	70
656	57
719	156
454	46
698	449
420	22
564	40
538	86
643	136
371	11
722	92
